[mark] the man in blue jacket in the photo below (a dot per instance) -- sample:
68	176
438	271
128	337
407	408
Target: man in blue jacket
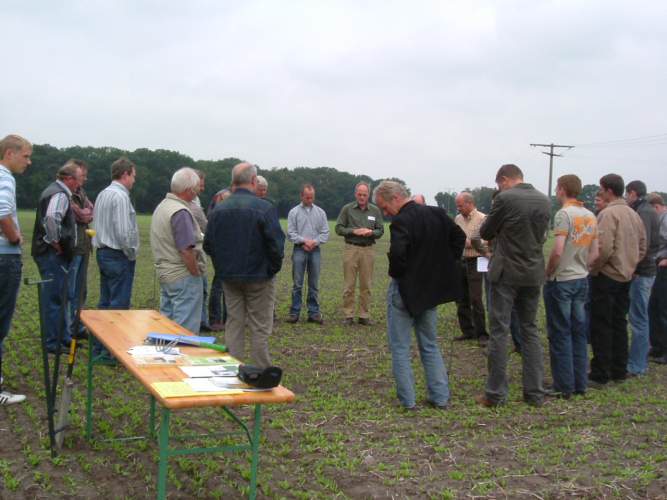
246	244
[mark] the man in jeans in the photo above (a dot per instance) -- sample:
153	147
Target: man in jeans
308	229
246	244
15	154
642	281
425	248
176	241
658	302
116	241
566	289
518	221
622	242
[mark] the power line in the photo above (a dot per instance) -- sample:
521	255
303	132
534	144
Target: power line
639	141
551	155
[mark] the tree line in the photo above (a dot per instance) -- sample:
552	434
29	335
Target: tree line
155	168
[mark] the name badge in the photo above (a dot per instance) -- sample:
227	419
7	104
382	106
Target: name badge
370	217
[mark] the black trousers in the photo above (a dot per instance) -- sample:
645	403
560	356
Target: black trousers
657	311
470	309
610	301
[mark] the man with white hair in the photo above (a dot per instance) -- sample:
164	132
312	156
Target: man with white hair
423	265
262	189
246	244
176	241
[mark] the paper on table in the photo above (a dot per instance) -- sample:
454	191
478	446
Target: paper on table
151	350
216	360
210	371
482	264
182	390
210	385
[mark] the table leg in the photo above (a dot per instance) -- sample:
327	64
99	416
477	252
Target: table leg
89	391
164	455
151	419
256	433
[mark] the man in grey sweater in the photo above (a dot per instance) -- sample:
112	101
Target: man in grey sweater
518	222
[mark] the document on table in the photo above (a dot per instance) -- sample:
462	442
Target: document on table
210	371
214	384
482	264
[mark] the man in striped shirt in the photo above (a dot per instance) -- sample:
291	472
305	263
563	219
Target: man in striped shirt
53	243
116	241
15	155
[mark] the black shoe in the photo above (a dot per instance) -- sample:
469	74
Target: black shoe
662	360
483	339
316	318
550	392
596	384
533	402
348	321
464	337
653	353
81	335
365	321
204	328
292	318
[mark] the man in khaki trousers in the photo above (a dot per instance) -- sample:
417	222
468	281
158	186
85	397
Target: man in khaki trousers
360	223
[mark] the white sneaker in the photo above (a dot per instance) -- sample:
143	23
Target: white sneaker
7	398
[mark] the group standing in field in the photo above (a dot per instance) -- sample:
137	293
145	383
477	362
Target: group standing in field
604	270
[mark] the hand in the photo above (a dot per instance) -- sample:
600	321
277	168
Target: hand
18	242
58	248
468	243
662	263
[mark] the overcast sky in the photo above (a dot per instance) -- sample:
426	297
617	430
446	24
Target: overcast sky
439	94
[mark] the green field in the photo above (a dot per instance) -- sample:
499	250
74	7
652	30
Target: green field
345	435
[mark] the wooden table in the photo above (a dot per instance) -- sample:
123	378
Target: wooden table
120	330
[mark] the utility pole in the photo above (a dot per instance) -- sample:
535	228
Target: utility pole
551	155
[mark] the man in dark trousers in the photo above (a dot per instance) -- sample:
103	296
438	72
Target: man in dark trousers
53	244
246	244
426	246
518	222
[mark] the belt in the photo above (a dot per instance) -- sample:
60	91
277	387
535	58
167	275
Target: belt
359	244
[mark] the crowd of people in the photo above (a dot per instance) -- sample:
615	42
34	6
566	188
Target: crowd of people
604	267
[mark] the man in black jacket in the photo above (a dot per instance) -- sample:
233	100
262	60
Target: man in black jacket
642	281
246	244
53	243
518	222
425	248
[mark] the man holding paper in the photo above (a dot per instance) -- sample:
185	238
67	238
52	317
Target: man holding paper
470	309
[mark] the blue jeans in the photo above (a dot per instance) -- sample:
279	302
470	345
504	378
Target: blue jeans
181	301
217	309
399	324
640	292
77	289
204	310
55	268
116	276
10	281
303	262
565	303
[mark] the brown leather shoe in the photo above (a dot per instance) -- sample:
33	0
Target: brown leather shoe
292	318
365	321
316	318
486	402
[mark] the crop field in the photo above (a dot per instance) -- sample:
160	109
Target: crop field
345	436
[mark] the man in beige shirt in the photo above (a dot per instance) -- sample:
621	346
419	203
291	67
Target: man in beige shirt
622	242
470	308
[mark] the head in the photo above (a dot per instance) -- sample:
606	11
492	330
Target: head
185	183
508	176
390	196
611	187
70	175
244	175
124	172
419	199
465	203
262	187
362	191
656	201
634	191
599	202
15	153
84	169
307	195
202	180
568	187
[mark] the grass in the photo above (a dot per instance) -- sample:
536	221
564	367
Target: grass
345	436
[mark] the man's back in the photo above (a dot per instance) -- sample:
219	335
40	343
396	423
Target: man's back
244	238
518	224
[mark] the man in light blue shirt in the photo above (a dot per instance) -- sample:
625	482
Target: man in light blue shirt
307	228
15	155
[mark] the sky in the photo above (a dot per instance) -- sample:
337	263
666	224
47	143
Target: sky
437	93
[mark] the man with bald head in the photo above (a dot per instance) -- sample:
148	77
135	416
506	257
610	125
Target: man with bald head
470	308
246	244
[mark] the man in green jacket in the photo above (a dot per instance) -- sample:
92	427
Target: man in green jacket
360	223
